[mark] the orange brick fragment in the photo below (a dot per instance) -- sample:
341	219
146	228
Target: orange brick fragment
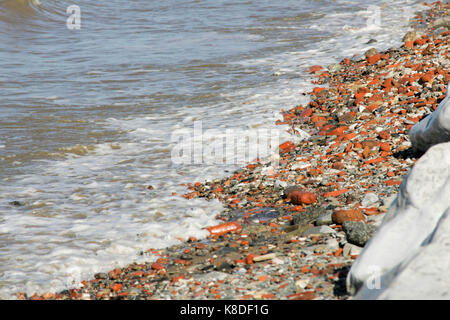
335	193
340	216
392	182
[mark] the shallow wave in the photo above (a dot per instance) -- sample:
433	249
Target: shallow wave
31	12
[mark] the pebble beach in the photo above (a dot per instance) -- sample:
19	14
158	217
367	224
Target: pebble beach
293	231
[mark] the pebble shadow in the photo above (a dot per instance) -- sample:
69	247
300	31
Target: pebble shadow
409	153
340	287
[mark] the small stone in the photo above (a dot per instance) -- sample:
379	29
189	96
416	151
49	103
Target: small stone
312	213
358	232
333	201
277	261
301	284
265	257
318	230
371	52
16	203
370	200
340	216
134	292
298	197
319	249
333	244
157	266
225	266
351	250
324	219
101	275
211	276
280	184
334	67
411	36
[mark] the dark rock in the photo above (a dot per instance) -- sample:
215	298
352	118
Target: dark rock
101	275
358	232
305	218
226	250
207	267
266	214
225	267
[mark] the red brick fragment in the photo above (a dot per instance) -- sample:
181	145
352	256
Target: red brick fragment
340	216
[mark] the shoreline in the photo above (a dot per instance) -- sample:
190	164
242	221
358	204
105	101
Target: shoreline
306	239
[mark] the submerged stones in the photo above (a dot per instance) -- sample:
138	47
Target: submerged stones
16	203
371	52
101	275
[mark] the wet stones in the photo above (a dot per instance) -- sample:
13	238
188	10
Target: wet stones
371	52
101	276
334	67
411	36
